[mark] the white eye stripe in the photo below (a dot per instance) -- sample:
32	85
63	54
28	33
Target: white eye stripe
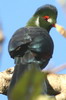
50	20
37	21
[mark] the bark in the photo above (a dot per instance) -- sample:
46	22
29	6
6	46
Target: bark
5	78
56	84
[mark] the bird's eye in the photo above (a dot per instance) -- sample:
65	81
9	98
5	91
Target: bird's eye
46	17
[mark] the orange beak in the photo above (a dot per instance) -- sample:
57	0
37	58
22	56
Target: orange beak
53	25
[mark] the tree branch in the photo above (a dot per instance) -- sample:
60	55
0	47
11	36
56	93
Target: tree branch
5	78
56	84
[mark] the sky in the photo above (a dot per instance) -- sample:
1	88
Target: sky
14	14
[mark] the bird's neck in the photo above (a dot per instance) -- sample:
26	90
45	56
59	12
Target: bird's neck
35	21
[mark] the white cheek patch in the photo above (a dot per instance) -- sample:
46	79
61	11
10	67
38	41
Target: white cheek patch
37	21
50	20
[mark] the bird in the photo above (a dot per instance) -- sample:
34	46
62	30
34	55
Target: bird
33	43
35	36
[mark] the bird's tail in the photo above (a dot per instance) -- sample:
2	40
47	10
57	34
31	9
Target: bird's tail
18	71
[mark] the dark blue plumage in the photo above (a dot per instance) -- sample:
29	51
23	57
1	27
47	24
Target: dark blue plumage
33	44
34	39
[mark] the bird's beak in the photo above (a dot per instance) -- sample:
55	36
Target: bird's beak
52	22
53	25
59	28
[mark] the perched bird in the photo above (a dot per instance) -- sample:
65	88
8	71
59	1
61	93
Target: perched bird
33	43
35	36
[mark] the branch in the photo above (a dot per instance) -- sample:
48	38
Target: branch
5	78
56	84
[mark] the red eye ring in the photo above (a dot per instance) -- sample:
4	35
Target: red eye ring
46	17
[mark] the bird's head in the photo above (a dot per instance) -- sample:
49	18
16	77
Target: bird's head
45	17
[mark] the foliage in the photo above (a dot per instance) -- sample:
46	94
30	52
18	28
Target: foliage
45	97
29	86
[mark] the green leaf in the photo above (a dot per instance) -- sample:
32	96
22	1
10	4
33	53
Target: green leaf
29	86
45	97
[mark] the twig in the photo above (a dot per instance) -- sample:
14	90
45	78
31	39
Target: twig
56	84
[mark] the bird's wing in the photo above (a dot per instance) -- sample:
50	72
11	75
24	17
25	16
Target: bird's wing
19	42
42	43
30	38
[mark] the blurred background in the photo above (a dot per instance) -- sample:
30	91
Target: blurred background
14	14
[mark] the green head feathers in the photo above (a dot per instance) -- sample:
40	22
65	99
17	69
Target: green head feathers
44	17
